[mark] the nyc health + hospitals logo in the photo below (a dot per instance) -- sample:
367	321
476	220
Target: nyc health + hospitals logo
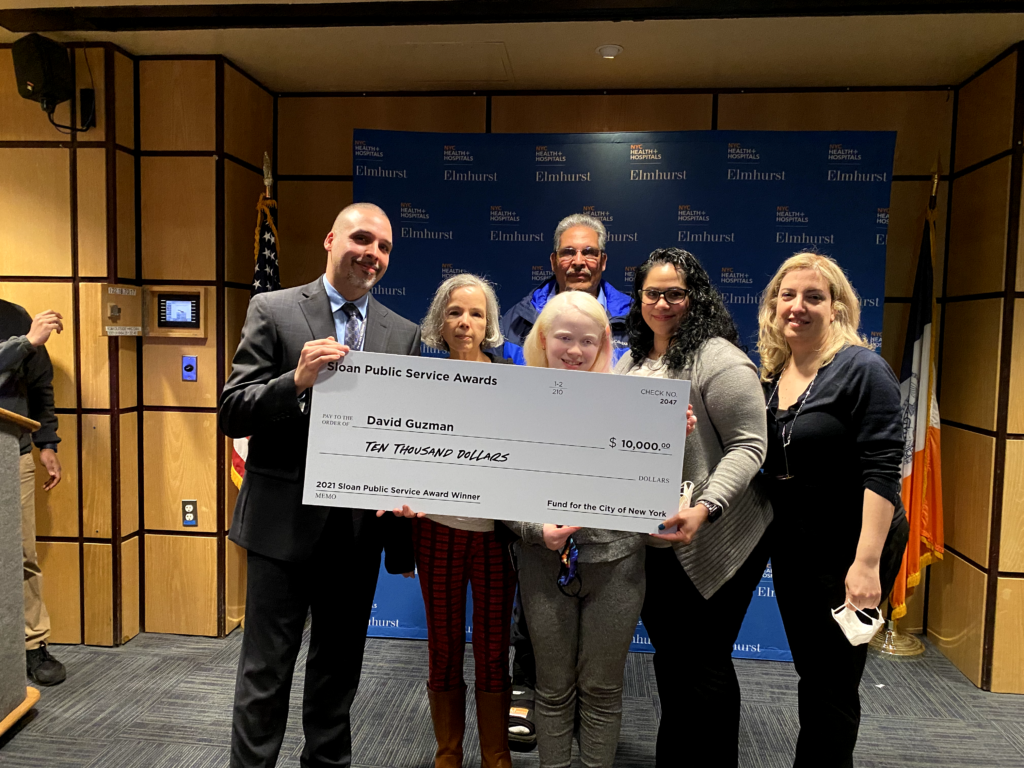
788	217
365	151
540	273
735	152
695	217
455	155
450	270
499	215
644	153
595	212
545	155
410	212
732	276
839	154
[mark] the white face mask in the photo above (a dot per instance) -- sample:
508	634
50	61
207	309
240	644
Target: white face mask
858	626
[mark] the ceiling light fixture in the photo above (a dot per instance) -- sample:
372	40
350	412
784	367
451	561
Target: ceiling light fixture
609	51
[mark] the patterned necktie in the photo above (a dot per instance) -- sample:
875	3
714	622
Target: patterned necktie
354	326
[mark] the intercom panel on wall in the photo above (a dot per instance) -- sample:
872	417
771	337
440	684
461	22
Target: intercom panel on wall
121	310
176	311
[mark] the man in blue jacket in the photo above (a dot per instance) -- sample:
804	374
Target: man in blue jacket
578	262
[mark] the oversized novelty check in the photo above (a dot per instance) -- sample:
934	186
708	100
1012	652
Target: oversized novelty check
496	441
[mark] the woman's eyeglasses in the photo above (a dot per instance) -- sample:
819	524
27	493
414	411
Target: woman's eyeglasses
672	295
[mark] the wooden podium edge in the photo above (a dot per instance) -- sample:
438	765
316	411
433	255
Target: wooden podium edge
16	418
31	697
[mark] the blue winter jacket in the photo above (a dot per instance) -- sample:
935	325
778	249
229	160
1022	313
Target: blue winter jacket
518	321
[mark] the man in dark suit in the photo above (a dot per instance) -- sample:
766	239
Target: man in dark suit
304	557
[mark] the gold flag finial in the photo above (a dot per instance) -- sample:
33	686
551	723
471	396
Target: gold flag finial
268	179
934	198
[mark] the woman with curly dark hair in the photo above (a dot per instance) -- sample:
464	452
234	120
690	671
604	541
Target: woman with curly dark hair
702	574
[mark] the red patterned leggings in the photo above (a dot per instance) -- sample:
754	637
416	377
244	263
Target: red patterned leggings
447	560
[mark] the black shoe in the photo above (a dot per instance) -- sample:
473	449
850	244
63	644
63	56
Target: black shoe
522	733
43	669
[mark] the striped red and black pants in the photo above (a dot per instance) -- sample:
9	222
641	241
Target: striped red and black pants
447	560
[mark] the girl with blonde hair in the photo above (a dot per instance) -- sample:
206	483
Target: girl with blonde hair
582	588
833	473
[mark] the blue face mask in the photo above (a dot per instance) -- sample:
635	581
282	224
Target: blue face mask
568	572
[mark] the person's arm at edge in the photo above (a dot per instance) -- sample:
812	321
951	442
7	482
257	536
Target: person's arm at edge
255	392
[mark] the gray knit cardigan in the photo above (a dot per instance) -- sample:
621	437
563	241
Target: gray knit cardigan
723	460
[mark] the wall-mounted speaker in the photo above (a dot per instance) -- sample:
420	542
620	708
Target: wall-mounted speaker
43	70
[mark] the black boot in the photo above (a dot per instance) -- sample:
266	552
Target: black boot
42	668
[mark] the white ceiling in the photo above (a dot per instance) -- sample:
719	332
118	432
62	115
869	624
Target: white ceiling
707	53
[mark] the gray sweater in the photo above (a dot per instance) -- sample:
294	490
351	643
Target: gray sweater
723	459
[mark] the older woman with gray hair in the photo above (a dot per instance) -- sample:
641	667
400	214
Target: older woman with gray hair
452	552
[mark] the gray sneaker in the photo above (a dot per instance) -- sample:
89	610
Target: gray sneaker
42	668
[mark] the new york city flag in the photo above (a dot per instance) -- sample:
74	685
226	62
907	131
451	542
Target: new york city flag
922	472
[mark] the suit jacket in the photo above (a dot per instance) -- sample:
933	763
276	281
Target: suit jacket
259	401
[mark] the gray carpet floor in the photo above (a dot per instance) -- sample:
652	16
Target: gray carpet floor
163	701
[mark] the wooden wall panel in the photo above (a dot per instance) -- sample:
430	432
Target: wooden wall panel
96	476
161	374
968	461
895	318
125	215
977	235
129	473
913	621
1011	543
57	509
970	364
308	210
242	190
179	232
180	455
124	98
177	106
92	212
956	613
923	120
94	348
237	304
907	205
596	113
129	589
35	212
1007	658
248	118
36	298
59	563
99	594
21	119
1015	410
984	120
234	599
315	134
181	584
128	361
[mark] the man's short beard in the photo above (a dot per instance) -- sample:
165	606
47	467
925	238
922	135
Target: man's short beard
359	282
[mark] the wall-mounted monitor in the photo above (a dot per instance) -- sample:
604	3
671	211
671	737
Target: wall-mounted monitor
177	310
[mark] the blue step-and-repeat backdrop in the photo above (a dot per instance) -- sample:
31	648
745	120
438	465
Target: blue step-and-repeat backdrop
741	201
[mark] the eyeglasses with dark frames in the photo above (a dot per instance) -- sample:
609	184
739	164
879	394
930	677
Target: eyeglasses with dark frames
672	295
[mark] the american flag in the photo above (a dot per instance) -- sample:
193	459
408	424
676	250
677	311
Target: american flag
266	277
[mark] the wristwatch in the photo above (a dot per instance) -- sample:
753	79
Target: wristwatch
714	510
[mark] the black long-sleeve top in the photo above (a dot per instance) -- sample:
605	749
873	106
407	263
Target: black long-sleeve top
847	437
26	377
